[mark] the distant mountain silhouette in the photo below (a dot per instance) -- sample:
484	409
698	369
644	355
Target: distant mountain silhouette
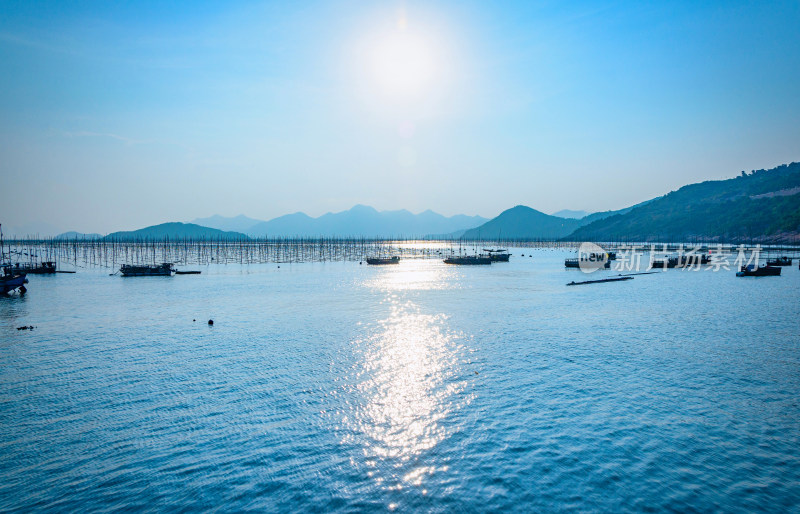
364	221
77	235
522	222
764	204
175	231
240	223
566	213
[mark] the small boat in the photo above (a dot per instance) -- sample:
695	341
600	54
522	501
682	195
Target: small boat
761	271
187	272
667	262
780	261
11	280
470	260
44	268
693	260
162	270
586	263
383	260
500	255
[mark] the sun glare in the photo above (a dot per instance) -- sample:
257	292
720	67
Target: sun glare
403	63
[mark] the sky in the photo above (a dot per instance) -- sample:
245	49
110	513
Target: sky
119	115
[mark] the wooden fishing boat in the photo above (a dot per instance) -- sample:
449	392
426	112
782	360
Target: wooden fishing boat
11	280
162	270
470	260
667	262
780	261
499	255
383	260
685	261
760	271
44	268
586	263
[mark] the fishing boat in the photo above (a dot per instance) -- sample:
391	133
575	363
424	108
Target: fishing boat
44	268
760	271
498	255
468	260
693	260
10	280
586	263
780	261
162	270
666	262
383	260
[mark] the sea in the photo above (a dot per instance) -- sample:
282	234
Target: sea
417	387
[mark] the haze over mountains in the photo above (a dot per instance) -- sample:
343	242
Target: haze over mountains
360	221
763	204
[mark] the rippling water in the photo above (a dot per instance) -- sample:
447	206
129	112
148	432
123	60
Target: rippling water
414	387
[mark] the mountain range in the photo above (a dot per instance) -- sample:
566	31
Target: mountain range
360	221
760	205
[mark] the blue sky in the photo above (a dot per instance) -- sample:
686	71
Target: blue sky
120	116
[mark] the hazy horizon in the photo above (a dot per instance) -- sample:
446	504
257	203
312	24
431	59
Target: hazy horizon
119	117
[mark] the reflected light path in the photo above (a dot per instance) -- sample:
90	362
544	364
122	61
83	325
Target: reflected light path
410	378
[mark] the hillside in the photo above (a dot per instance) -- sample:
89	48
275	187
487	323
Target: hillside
763	204
522	222
175	231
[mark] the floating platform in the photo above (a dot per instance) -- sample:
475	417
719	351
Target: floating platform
615	279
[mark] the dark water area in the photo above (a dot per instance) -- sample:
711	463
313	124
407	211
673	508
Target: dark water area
415	387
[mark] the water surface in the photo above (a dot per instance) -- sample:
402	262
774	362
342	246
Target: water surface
346	387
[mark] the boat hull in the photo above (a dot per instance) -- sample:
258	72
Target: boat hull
45	268
164	270
379	261
763	271
780	262
8	284
468	261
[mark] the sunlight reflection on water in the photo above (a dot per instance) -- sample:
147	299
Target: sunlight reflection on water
410	379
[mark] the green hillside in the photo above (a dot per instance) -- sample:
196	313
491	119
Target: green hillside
763	204
522	222
175	231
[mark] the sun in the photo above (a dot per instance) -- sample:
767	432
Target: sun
403	63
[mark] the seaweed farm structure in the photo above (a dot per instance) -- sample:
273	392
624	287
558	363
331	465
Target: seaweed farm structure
112	253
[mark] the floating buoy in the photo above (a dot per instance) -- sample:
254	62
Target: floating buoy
211	322
194	320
